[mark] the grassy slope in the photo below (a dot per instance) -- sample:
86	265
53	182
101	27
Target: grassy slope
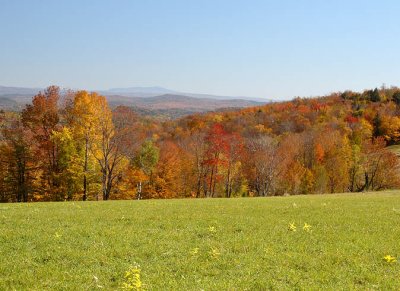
395	149
64	245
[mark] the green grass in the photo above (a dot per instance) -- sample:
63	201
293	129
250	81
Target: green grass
395	149
65	245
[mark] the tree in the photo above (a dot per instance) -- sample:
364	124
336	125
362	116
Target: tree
145	161
69	163
216	154
42	119
380	167
194	147
337	161
83	115
169	172
267	162
234	155
17	157
396	98
375	96
107	147
377	123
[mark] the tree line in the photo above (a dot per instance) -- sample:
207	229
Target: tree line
73	146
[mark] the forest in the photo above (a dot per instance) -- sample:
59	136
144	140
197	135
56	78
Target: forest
74	146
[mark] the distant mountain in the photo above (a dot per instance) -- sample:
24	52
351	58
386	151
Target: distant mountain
145	99
18	91
157	91
139	91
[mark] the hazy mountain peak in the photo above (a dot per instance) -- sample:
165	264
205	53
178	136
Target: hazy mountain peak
148	90
5	90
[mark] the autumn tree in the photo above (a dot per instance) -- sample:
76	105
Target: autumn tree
83	115
106	147
233	168
380	167
216	155
69	163
41	118
18	161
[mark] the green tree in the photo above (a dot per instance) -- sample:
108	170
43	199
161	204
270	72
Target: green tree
69	163
146	160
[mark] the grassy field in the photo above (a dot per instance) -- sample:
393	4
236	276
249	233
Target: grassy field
395	149
210	244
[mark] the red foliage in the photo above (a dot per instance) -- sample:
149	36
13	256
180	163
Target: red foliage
351	119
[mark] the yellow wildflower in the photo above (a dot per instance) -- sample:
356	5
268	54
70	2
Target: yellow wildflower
212	229
292	227
389	259
307	227
132	279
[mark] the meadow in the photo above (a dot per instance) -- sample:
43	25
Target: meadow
300	242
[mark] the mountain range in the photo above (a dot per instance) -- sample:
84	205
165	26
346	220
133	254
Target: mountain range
154	100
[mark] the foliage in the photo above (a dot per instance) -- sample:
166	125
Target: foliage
81	149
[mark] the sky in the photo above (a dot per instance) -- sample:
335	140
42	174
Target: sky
268	49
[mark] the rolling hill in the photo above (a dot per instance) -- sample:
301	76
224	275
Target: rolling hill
146	100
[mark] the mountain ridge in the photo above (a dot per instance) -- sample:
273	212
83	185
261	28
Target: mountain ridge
152	99
144	92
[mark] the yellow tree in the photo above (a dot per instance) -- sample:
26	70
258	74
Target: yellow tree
83	117
107	148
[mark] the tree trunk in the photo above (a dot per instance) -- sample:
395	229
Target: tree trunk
85	170
227	184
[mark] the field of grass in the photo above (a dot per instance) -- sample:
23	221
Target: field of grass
210	244
395	149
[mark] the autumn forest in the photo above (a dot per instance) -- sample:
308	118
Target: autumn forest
73	146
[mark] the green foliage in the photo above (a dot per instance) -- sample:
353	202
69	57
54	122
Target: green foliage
69	162
147	157
377	123
375	96
396	97
209	244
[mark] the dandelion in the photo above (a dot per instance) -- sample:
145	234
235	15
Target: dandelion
132	278
212	229
292	227
307	227
390	259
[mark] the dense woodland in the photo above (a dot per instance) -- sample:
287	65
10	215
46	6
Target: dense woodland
72	146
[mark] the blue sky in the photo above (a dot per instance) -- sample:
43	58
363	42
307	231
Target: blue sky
272	49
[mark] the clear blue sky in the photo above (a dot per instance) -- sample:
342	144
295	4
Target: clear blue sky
273	49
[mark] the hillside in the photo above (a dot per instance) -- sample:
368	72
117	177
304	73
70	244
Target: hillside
335	143
169	101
